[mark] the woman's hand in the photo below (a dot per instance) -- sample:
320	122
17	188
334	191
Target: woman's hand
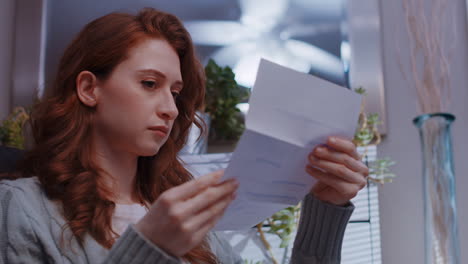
182	216
339	171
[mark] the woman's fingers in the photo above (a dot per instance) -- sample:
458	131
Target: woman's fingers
189	189
344	145
177	210
318	187
341	158
339	170
207	219
347	189
209	196
210	223
212	213
206	227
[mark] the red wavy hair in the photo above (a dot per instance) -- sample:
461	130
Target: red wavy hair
61	125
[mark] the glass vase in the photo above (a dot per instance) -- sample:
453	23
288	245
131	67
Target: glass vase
440	212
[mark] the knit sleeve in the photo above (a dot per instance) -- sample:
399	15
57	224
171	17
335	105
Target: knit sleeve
18	242
132	248
320	233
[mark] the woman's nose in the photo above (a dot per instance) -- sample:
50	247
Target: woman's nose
167	108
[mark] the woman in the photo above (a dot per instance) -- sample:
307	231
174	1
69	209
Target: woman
103	183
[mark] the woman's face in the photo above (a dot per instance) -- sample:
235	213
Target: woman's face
136	107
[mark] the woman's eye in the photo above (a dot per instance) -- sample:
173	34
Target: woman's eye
148	84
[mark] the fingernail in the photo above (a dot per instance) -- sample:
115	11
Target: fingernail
332	139
217	175
363	166
320	149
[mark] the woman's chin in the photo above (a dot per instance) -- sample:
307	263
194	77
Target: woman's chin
149	151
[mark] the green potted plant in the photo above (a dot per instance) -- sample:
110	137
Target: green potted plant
223	94
11	129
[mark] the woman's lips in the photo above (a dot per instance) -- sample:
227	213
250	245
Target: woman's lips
161	131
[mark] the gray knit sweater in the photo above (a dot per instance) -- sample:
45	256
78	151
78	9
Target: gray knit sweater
31	229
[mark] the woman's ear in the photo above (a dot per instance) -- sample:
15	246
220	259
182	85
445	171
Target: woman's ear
87	88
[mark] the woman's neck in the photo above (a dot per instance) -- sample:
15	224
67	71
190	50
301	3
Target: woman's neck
120	168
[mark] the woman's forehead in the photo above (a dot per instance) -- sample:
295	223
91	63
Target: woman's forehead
154	54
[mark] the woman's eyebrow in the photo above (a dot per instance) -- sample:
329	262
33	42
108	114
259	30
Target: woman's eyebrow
152	71
179	84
